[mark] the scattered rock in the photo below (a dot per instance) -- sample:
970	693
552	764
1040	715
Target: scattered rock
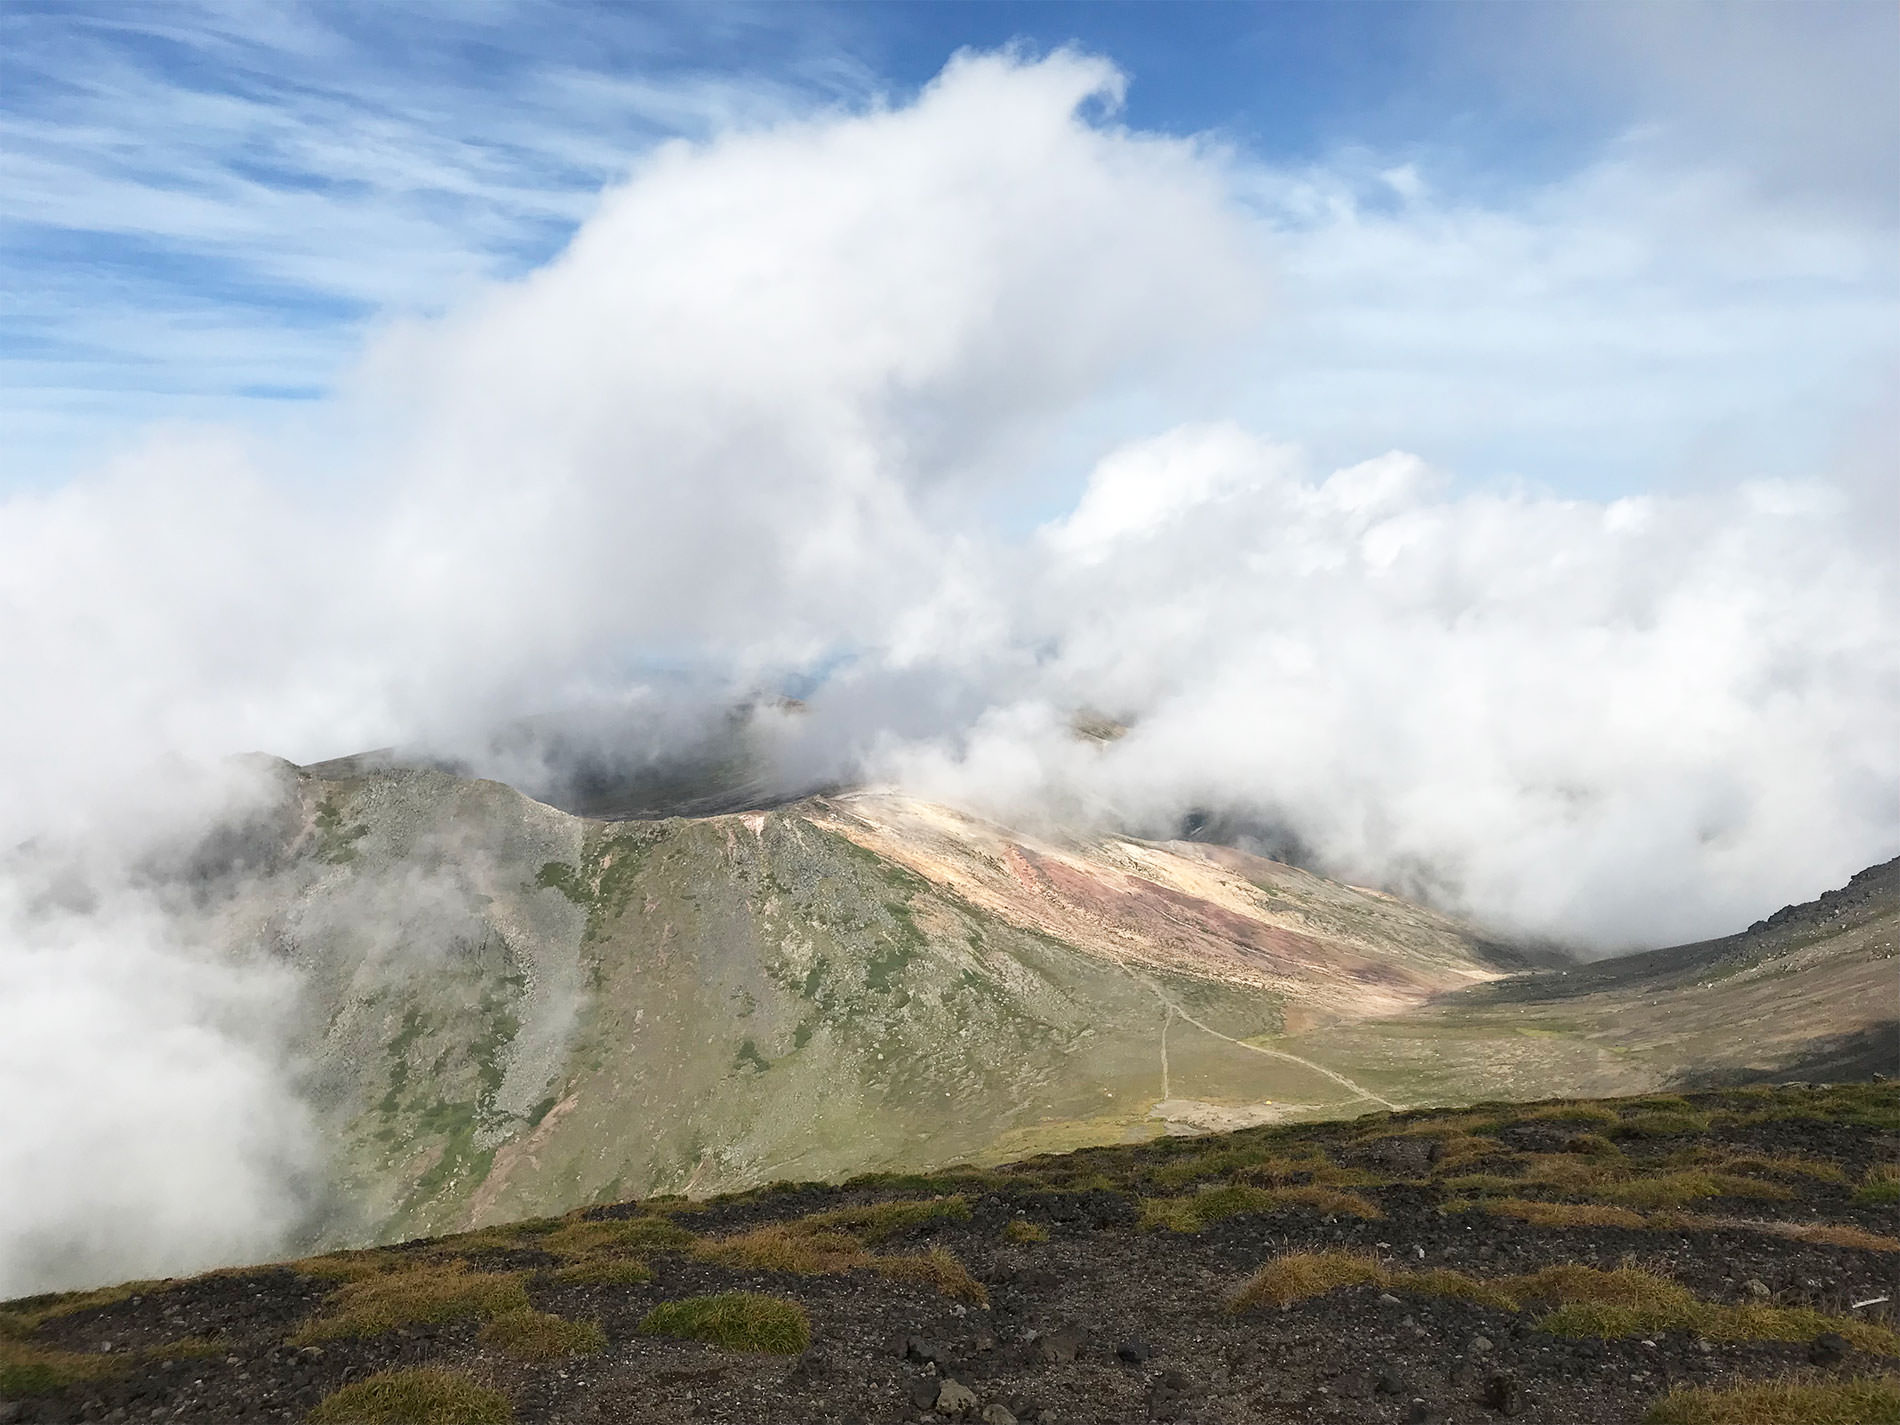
1403	1156
1504	1394
1755	1287
955	1398
1134	1353
1061	1345
1478	1346
931	1353
923	1392
996	1415
1828	1349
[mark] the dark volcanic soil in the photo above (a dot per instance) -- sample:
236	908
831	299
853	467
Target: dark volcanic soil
1116	1317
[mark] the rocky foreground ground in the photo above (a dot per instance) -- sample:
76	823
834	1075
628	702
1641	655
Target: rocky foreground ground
1728	1256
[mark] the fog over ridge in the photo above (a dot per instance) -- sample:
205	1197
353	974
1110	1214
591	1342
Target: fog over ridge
754	419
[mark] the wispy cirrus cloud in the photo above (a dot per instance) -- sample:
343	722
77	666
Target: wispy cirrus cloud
207	203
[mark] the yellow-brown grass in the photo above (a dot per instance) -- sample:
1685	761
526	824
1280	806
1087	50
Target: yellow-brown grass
28	1369
1299	1275
1870	1401
603	1271
1195	1211
540	1336
936	1268
1592	1114
1787	1165
1581	1301
777	1248
413	1397
432	1292
576	1240
1563	1214
881	1221
351	1266
1880	1185
791	1247
1680	1189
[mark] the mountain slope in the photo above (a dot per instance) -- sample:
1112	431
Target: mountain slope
1813	992
510	1010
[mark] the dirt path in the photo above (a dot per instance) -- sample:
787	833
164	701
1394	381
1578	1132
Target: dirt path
1340	1079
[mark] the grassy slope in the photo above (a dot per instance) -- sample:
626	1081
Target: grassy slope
1808	993
512	1011
1785	1181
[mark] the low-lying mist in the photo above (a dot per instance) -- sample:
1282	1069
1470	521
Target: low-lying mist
745	440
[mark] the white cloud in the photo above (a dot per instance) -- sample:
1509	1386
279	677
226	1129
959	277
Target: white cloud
1601	722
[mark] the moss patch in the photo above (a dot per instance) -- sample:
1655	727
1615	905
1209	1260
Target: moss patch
416	1397
540	1336
1202	1209
1565	1214
1581	1301
1881	1185
611	1271
1874	1401
735	1320
882	1221
437	1292
27	1369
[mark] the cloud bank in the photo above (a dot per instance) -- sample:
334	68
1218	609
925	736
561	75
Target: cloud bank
757	417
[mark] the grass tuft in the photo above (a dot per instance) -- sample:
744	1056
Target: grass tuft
1202	1209
736	1320
540	1336
1299	1275
1564	1214
36	1370
1660	1123
414	1397
436	1292
1021	1229
939	1269
603	1271
1680	1189
1880	1185
1583	1301
1593	1114
1872	1401
1832	1235
882	1221
630	1235
777	1248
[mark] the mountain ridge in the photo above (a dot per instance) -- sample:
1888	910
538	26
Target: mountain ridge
509	1010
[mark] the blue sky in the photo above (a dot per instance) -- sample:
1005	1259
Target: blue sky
210	204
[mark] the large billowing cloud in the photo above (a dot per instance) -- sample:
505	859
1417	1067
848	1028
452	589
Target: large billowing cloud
761	414
1602	722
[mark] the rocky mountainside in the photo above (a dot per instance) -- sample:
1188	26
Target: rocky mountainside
511	1010
1719	1258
